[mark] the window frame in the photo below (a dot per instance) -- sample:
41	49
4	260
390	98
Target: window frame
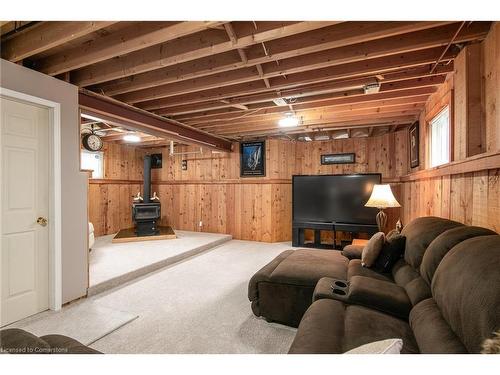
447	107
101	153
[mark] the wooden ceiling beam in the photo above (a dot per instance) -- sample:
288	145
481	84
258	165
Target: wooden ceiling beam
323	100
293	62
302	94
178	51
321	114
47	35
359	123
344	71
320	125
12	29
138	36
309	42
278	112
113	111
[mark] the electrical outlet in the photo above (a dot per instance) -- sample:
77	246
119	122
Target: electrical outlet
201	223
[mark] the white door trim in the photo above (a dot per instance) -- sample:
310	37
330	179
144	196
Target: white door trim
55	233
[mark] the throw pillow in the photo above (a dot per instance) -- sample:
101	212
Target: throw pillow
390	346
372	249
353	251
392	250
391	234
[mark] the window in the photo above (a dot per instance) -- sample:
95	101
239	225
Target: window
93	161
439	131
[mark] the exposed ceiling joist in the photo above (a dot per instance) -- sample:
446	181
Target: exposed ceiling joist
304	93
166	54
136	37
345	71
327	53
270	115
47	35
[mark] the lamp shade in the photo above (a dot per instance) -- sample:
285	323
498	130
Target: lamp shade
382	197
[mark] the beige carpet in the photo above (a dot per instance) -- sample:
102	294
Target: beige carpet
197	306
113	264
85	321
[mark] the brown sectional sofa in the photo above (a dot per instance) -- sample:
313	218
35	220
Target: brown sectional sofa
403	303
283	289
462	311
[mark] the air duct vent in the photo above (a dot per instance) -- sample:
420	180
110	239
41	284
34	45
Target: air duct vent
280	102
372	88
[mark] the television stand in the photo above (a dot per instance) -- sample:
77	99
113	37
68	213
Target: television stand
298	228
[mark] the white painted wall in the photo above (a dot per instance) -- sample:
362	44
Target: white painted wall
74	182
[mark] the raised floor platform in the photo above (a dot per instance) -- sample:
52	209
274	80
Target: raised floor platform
129	235
112	264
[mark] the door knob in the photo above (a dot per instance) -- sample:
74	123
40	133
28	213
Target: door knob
42	221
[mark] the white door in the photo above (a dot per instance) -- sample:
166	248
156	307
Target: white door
24	173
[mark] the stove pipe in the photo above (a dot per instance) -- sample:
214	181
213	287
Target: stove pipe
147	179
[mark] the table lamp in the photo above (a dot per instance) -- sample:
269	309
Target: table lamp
382	198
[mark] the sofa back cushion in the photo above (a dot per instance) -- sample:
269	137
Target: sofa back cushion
465	290
443	243
420	233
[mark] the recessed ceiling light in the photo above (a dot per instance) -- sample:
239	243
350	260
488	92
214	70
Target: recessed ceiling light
288	121
131	138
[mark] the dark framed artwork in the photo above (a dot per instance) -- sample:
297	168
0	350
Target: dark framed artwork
414	144
346	158
253	159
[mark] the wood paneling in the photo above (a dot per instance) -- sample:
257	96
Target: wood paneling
491	87
211	191
466	190
469	124
471	198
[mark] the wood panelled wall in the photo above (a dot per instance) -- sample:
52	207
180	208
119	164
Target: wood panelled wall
110	199
472	197
212	193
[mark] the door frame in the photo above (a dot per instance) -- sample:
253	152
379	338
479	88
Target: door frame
55	232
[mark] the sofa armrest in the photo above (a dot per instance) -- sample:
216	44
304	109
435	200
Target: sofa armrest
353	251
376	294
381	295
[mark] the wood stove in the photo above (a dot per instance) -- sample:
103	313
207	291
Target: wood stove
146	214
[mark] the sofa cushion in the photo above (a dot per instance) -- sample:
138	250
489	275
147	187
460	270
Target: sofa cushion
465	289
420	233
330	326
443	243
356	269
306	267
418	290
403	273
372	249
433	334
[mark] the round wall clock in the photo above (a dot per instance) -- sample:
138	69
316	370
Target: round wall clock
92	142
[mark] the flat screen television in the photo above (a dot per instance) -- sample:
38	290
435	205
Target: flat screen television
334	198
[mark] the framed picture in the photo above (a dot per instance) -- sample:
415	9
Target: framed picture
253	159
347	158
414	144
